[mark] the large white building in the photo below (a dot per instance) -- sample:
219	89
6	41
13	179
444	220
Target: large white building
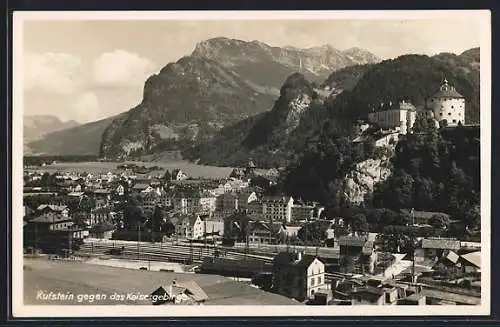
400	118
447	104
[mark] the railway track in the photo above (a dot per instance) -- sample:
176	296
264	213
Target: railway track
165	252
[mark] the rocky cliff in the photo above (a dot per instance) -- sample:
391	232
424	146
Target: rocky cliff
271	135
358	184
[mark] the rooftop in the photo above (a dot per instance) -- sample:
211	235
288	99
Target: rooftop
358	241
51	207
447	91
474	258
292	259
49	219
440	243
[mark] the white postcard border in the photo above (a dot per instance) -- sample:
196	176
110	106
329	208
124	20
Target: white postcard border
483	18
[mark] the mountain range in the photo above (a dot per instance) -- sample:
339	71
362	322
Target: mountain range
35	127
221	83
231	101
83	139
280	136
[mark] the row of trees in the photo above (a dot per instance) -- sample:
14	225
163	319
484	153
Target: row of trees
134	218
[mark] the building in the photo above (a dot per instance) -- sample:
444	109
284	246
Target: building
413	299
190	227
298	276
178	175
182	293
323	296
260	232
471	262
277	208
59	209
306	211
423	217
368	295
195	202
99	215
120	190
254	209
245	200
399	118
434	248
448	105
52	221
250	169
148	202
227	202
212	226
141	187
387	139
357	254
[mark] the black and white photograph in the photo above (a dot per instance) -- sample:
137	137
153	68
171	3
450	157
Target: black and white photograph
205	163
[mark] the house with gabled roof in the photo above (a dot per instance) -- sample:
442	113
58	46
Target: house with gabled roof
190	227
298	276
51	221
178	175
140	187
262	232
471	262
357	254
63	210
183	293
435	248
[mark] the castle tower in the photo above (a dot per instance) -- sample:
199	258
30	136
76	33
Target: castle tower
447	104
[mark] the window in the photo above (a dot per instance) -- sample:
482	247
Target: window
441	114
454	121
319	280
451	107
312	281
449	114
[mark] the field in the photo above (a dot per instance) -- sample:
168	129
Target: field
192	170
82	278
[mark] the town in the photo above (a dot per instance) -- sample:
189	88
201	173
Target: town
241	226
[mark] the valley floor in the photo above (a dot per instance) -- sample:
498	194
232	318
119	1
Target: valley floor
83	278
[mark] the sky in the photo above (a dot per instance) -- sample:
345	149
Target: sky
86	70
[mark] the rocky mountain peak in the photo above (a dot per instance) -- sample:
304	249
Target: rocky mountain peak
361	56
296	83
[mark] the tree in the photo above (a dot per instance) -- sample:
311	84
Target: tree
381	217
157	221
439	221
443	123
313	233
133	216
423	124
359	223
167	176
